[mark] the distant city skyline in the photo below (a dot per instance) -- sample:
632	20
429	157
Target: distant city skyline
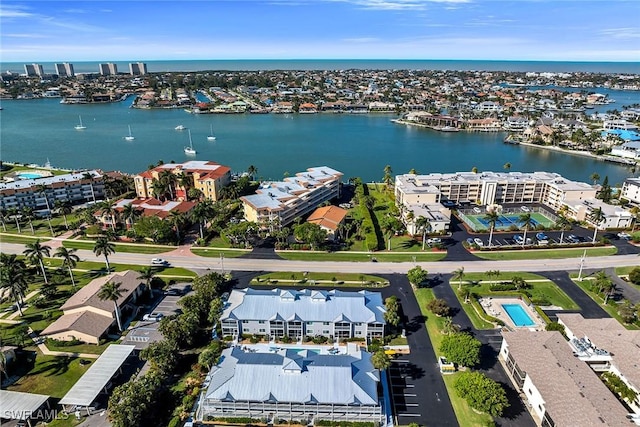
539	30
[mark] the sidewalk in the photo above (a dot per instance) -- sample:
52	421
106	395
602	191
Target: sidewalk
39	342
16	313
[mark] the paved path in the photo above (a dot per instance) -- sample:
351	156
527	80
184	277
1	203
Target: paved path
516	415
39	342
588	307
628	291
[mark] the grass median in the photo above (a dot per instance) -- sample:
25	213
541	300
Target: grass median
362	257
338	280
544	253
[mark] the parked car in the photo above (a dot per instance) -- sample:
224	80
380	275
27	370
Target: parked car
448	204
478	241
159	261
518	239
542	238
434	241
572	238
174	292
470	241
477	210
153	317
623	235
525	209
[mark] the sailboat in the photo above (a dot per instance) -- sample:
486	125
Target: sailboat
129	137
189	149
211	137
80	126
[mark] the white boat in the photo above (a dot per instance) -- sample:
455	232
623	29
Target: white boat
180	127
211	137
80	126
189	150
129	137
449	129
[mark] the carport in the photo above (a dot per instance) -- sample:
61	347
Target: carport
15	405
95	380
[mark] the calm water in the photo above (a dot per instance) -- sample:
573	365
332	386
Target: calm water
358	145
346	64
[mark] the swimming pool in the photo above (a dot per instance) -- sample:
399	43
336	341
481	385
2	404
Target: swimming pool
29	175
518	315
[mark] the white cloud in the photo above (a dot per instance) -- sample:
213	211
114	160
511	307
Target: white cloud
14	12
398	4
621	33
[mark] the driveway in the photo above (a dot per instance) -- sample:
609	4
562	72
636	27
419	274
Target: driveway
588	307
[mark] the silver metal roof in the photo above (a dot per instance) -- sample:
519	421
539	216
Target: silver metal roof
305	305
84	392
294	376
15	405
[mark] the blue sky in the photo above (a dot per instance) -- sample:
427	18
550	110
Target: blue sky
558	30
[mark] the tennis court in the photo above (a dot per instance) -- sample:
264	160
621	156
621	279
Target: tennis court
506	221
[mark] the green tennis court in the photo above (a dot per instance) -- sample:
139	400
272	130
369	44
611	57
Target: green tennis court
506	221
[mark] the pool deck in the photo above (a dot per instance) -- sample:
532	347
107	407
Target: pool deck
321	349
493	307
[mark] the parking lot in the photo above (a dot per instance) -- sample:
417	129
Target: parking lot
405	398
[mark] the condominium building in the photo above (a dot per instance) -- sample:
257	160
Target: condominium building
560	389
606	346
293	197
294	385
108	69
65	70
614	216
33	70
144	208
631	190
277	313
137	68
41	194
208	177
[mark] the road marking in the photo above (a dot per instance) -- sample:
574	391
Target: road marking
409	415
399	361
411	404
409	395
409	386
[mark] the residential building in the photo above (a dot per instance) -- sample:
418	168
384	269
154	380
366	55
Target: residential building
606	346
88	318
293	197
41	194
208	177
620	124
276	313
137	68
614	216
108	69
486	188
329	218
144	208
629	150
33	70
291	384
560	389
631	190
65	70
438	216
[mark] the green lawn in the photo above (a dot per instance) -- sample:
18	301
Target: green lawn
18	238
97	267
81	348
120	247
289	278
611	309
473	313
361	257
544	253
211	252
539	290
51	375
624	271
465	415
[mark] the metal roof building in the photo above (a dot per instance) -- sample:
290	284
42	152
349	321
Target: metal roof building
15	405
85	391
293	384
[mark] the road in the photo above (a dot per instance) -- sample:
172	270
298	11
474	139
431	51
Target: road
248	264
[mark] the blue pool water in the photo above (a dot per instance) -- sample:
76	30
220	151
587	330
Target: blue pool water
29	175
518	315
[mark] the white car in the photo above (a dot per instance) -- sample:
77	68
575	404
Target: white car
153	317
477	210
623	235
478	241
525	209
434	241
159	261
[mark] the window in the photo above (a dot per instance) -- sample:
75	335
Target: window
244	322
325	332
261	330
309	323
261	322
325	323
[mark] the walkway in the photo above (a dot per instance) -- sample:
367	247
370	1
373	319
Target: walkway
39	342
16	313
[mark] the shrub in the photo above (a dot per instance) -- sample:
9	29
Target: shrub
320	339
634	276
59	343
502	287
439	307
461	349
481	393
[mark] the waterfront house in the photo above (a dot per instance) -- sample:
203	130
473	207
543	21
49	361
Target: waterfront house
629	150
208	177
296	385
631	190
88	318
276	313
144	208
293	197
330	219
488	124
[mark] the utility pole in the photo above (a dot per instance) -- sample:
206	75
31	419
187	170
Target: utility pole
582	265
222	262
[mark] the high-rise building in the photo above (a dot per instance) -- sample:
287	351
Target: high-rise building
65	70
108	69
137	68
33	70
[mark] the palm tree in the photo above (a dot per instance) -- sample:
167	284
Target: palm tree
110	211
104	247
36	252
564	224
595	177
459	275
3	217
88	176
63	207
201	213
507	166
169	179
42	189
13	278
178	220
69	260
491	217
147	274
185	181
423	224
111	291
252	171
129	214
526	221
14	213
387	178
158	189
596	216
27	212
